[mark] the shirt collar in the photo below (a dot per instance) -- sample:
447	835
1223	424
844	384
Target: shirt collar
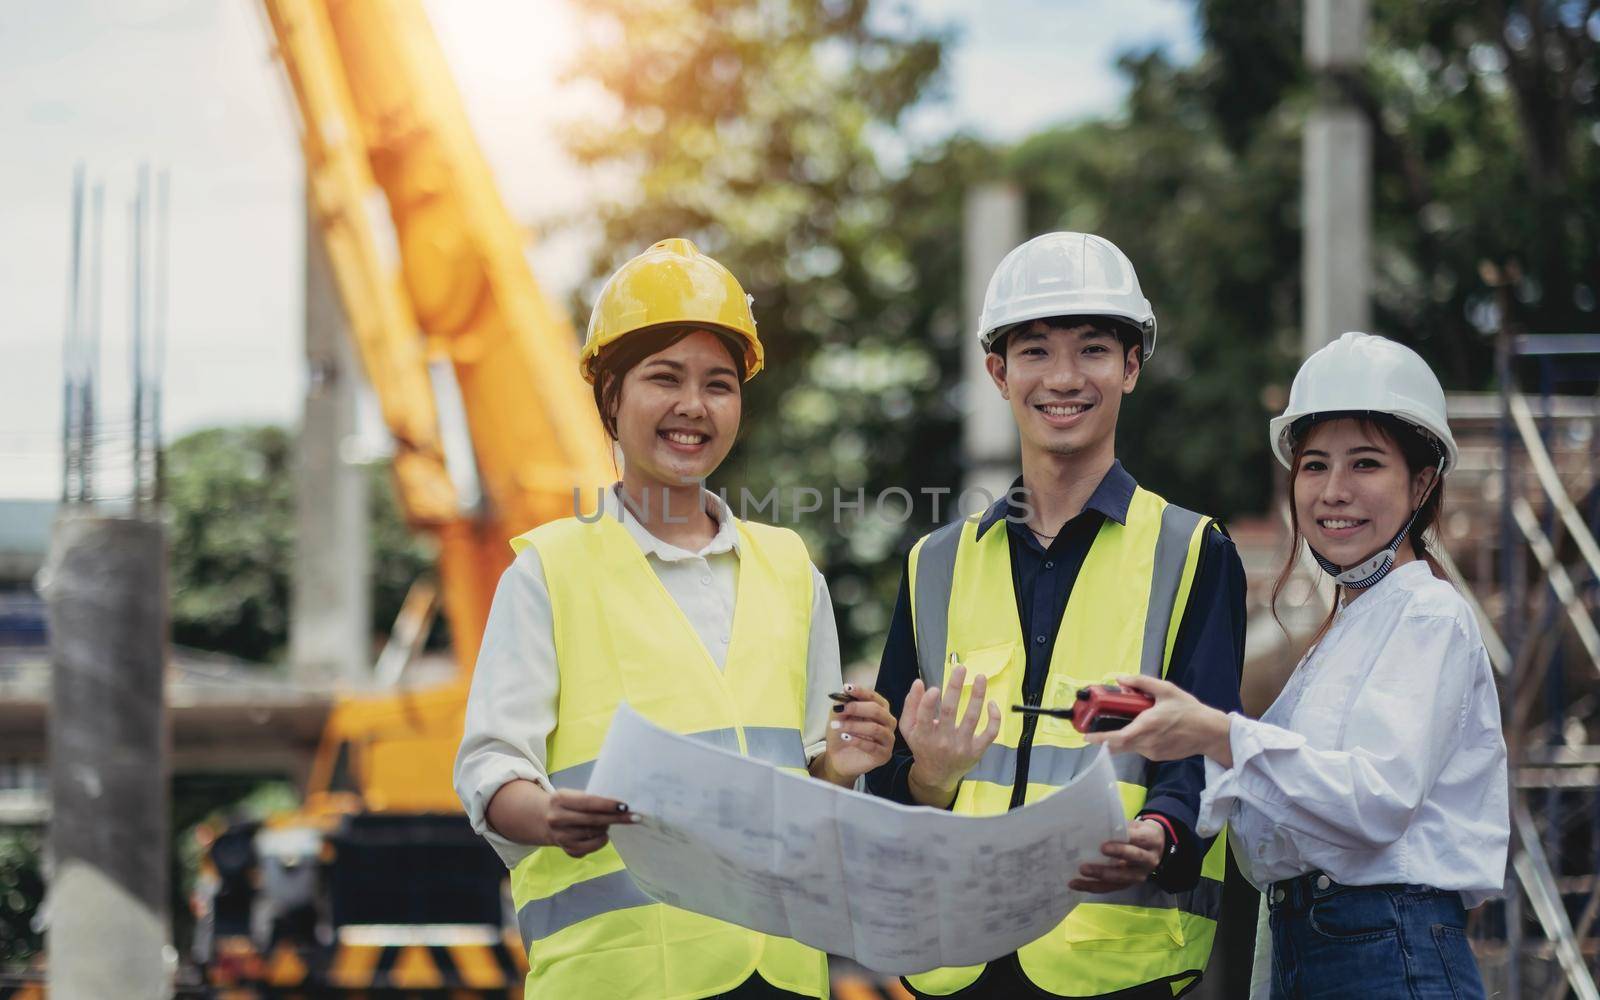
1407	577
725	540
1111	498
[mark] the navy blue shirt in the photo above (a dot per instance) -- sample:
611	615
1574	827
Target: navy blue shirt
1207	657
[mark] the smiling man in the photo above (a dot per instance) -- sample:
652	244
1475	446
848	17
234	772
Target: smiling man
1075	576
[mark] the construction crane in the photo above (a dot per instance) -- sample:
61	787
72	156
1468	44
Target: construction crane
377	882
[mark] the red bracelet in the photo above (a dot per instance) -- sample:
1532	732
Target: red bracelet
1172	831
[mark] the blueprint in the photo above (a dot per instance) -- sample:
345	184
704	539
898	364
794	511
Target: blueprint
900	889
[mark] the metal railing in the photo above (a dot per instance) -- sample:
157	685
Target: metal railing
1539	518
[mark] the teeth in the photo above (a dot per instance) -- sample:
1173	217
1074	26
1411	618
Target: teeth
1337	525
679	437
1064	411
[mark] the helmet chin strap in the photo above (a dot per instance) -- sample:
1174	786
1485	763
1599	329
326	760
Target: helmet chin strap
1376	566
1370	570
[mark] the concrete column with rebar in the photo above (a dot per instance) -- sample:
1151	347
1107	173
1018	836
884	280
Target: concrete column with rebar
105	584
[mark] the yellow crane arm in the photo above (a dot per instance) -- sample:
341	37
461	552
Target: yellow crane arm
382	119
339	184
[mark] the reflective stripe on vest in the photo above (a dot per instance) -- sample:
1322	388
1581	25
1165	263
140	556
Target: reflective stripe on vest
936	576
541	918
1055	766
1114	624
590	931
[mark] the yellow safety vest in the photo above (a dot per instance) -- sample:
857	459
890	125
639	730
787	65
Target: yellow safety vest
1122	618
619	636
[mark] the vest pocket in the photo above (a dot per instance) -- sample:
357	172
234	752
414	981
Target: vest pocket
1062	692
986	661
1116	927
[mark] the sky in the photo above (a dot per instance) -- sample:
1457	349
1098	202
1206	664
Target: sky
190	86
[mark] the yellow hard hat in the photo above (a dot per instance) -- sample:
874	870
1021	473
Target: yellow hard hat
671	283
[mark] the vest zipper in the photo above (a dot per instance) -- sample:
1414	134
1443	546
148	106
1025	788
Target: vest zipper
1019	786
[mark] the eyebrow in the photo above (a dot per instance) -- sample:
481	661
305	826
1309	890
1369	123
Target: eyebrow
1085	332
678	366
1357	450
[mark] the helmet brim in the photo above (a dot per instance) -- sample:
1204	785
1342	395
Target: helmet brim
993	341
1285	429
754	356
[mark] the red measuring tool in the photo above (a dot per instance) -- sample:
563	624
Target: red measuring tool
1099	708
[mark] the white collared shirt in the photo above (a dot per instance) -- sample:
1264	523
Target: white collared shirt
511	710
1382	760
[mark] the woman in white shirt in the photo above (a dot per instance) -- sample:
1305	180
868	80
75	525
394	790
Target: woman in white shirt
708	625
1370	801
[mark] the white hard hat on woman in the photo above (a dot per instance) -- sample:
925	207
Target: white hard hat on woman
1362	375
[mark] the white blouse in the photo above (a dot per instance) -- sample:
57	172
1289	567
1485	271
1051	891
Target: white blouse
511	710
1382	760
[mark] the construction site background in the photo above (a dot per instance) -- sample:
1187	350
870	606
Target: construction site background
1430	172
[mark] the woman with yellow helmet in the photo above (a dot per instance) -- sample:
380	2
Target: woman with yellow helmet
707	624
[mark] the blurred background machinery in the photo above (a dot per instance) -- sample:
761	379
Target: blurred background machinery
1445	176
377	882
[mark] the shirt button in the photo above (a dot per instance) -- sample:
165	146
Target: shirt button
706	580
1039	639
724	640
1049	564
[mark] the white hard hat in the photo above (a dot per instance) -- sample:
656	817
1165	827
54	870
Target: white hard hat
1065	274
1362	373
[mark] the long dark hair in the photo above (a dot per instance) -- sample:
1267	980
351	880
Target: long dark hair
1419	452
617	360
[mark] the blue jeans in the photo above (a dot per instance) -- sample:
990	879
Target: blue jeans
1378	942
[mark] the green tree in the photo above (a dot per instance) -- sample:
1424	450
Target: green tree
21	892
758	130
1486	140
230	493
1487	119
230	499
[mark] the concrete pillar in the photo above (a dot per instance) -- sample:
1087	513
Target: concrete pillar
330	597
993	226
105	584
1337	179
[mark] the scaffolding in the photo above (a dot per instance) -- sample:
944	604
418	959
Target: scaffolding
1537	618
